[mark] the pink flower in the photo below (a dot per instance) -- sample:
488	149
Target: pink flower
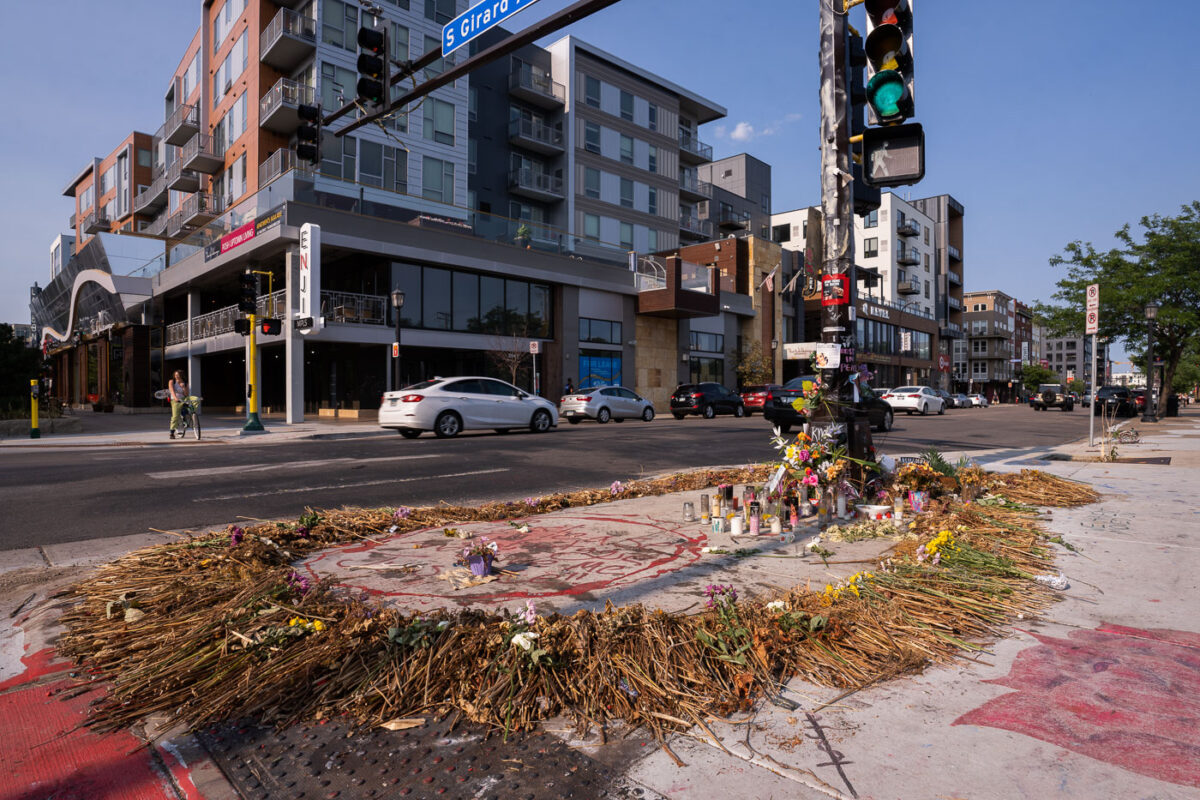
805	455
810	480
530	613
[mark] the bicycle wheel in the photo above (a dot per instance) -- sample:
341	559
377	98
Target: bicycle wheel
196	424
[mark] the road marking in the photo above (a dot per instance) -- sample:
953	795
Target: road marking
320	463
298	489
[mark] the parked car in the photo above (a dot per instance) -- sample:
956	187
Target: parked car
1051	395
978	400
603	403
448	406
778	409
920	399
962	401
753	397
705	400
947	398
1115	401
1139	398
1086	400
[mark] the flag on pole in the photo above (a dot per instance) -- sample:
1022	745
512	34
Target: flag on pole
792	283
769	281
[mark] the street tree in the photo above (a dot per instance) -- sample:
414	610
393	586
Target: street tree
1034	375
1161	265
18	365
755	366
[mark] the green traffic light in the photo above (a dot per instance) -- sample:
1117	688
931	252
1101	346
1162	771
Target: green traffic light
887	93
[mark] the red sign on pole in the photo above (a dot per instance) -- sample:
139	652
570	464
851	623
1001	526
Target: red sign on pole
395	349
835	290
943	362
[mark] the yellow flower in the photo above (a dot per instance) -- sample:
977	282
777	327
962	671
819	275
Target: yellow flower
318	625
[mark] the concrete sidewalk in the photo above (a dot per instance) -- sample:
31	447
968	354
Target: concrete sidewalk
1095	699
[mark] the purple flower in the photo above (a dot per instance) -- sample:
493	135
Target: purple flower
402	513
937	557
302	531
297	583
530	613
236	535
617	487
533	502
805	455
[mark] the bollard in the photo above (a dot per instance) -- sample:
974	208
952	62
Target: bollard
34	432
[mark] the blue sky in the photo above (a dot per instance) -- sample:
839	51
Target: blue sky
1046	123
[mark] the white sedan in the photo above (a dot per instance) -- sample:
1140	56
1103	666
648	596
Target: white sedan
447	406
979	400
919	399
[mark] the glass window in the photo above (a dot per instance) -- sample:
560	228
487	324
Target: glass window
337	83
926	290
370	163
708	342
871	247
652	124
398	42
466	302
591	91
706	369
626	149
144	158
599	331
871	219
539	310
599	368
435	299
516	298
439	121
627	235
653	162
652	240
652	201
437	180
339	24
626	193
591	183
591	137
439	66
408	280
926	229
491	304
440	11
626	106
591	226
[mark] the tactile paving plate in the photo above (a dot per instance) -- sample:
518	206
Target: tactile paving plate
337	760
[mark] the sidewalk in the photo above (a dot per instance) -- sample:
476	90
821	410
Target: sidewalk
1095	699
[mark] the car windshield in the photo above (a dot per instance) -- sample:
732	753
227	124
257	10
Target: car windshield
797	384
907	389
687	387
426	384
1050	387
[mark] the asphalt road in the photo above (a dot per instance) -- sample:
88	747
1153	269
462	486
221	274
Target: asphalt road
50	496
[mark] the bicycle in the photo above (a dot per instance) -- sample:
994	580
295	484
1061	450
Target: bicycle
189	413
1125	435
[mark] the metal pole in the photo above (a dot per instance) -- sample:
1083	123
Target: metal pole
1092	405
253	423
1148	408
34	431
837	202
396	361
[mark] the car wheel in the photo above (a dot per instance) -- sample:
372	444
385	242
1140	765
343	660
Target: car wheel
603	416
886	424
924	409
709	411
942	409
447	425
409	433
540	422
678	416
782	428
573	420
739	411
647	414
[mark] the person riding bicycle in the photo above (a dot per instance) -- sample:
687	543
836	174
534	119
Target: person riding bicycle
177	393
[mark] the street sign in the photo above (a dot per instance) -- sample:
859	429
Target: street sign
1093	297
395	349
1093	322
476	20
535	347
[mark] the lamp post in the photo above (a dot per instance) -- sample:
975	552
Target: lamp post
397	306
1148	410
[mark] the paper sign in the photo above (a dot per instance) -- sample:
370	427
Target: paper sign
828	356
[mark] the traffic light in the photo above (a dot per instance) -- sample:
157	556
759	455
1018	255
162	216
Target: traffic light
866	197
372	65
308	135
241	325
889	51
248	304
272	327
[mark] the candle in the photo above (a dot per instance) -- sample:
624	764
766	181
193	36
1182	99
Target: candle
776	526
704	514
735	527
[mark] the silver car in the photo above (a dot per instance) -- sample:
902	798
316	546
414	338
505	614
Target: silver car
603	403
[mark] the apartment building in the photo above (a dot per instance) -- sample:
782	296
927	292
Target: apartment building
990	320
947	214
1070	358
499	232
741	196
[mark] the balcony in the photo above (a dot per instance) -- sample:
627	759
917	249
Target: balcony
158	225
950	331
676	289
287	40
360	309
182	180
908	257
693	189
534	86
954	303
731	220
198	210
693	150
202	155
908	228
152	197
954	253
694	226
908	287
277	163
954	278
97	222
183	124
277	110
535	184
536	136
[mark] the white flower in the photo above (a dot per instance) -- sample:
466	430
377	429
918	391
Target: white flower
705	549
524	640
493	546
776	605
523	529
813	542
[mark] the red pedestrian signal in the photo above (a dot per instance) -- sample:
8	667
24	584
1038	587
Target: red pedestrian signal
272	327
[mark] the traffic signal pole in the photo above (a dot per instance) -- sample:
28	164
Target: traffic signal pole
837	189
253	423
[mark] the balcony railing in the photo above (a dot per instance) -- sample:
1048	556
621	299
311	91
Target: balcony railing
152	197
695	225
693	147
908	257
690	184
954	252
954	278
907	287
287	40
361	309
96	222
158	225
199	208
278	163
954	303
908	228
534	183
535	86
733	220
183	124
202	154
537	136
277	108
181	179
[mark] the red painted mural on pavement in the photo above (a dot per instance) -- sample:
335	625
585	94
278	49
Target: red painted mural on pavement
1125	696
560	556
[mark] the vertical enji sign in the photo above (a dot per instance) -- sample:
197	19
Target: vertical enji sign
310	276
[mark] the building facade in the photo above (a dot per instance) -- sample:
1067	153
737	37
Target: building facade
990	320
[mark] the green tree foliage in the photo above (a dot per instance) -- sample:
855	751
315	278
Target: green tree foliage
18	365
1033	375
755	367
1076	386
1161	266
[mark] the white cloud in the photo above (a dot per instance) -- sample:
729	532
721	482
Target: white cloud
742	132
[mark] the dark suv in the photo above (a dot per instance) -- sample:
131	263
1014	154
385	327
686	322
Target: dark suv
706	400
778	410
1115	401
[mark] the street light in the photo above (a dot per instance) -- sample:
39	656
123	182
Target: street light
1148	410
397	305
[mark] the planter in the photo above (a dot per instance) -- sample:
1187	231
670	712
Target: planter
480	565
